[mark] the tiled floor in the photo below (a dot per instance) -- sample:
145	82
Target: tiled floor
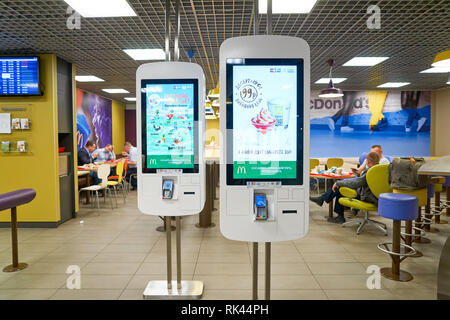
119	251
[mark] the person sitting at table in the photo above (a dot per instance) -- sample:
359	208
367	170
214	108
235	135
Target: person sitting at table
132	154
359	184
375	148
87	154
105	154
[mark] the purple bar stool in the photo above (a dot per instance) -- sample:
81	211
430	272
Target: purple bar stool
12	200
447	186
398	207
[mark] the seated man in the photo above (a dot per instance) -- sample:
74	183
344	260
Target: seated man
87	154
375	148
105	154
132	154
359	184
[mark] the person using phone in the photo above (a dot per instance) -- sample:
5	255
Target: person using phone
375	148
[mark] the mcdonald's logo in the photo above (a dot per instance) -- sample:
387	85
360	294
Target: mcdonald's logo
153	161
241	170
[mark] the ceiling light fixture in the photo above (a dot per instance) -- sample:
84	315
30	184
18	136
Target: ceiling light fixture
130	99
448	81
146	54
393	84
88	79
437	70
287	6
331	92
327	80
116	90
364	61
442	59
102	8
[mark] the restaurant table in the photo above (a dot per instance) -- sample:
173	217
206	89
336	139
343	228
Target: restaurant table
86	170
437	167
332	178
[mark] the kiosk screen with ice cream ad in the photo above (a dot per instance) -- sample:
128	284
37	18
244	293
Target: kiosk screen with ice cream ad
265	120
169	125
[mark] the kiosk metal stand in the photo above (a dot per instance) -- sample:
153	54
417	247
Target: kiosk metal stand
173	289
267	275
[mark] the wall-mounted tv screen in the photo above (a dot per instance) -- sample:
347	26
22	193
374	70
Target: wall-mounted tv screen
19	76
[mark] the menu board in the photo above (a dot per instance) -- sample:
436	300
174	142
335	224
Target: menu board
19	76
169	116
265	120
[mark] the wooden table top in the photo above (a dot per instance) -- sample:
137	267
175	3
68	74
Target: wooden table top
95	166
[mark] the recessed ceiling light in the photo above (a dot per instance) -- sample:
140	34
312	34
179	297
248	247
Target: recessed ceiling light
88	79
130	99
393	84
287	6
102	8
146	54
327	80
364	61
436	70
116	90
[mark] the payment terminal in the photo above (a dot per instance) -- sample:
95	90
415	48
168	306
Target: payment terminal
260	206
167	189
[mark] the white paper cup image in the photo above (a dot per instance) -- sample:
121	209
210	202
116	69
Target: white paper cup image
280	109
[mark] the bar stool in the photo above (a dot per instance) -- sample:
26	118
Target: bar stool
438	207
397	207
12	200
447	202
429	212
418	227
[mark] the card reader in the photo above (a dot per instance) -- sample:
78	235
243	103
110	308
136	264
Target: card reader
167	191
260	206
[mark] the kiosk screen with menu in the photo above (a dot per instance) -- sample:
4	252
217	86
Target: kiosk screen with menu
265	113
19	76
169	122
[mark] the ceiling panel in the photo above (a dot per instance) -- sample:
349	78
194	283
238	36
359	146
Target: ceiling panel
412	32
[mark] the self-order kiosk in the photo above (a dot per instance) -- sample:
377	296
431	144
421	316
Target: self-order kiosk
264	170
170	129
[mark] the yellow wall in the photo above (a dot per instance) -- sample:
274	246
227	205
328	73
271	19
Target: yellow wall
212	130
118	126
38	170
440	120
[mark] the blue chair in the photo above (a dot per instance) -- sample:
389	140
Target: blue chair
390	158
362	157
398	207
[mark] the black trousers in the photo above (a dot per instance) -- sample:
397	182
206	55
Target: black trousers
133	181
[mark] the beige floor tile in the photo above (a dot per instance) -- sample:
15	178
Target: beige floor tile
366	294
295	295
104	281
419	294
328	257
70	257
223	269
26	294
34	281
221	282
161	257
161	268
132	295
212	294
213	257
333	282
127	248
84	248
319	248
51	267
119	257
140	281
285	282
286	268
110	268
326	268
88	294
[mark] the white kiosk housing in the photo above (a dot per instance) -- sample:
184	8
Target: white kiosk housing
170	127
264	170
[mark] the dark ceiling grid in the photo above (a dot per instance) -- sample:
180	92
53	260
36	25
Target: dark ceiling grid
413	31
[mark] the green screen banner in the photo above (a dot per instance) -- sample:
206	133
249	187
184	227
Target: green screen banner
166	161
269	170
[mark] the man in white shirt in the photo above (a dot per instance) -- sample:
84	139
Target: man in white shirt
105	154
375	148
132	154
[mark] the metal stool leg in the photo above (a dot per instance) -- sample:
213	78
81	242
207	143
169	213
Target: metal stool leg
418	238
15	266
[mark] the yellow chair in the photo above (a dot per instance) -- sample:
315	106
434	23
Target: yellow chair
312	164
377	179
119	173
333	162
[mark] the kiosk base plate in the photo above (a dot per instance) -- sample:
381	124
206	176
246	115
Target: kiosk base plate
157	290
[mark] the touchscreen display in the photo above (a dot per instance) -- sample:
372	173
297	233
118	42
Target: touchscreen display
169	126
265	119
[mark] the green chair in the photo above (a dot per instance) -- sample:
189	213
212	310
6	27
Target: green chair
377	179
